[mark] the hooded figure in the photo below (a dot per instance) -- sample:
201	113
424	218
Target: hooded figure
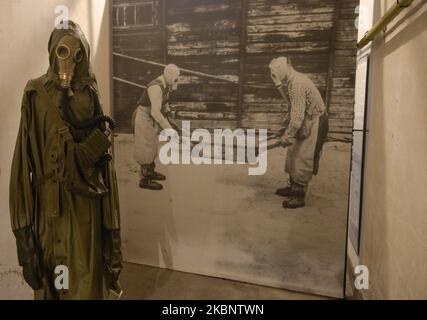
55	225
148	119
304	132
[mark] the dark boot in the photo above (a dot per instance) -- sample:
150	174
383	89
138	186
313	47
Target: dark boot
147	183
294	202
147	180
156	175
294	189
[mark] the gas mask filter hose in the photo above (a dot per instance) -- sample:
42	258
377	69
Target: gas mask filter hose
69	117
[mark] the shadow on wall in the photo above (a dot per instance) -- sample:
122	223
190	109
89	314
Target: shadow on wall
406	33
160	229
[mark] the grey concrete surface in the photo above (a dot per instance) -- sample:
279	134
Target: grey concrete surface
143	282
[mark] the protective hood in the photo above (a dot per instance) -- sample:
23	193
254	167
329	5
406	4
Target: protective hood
83	71
280	69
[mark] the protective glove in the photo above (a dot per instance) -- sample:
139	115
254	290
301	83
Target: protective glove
173	124
113	259
289	137
280	132
166	109
287	141
28	258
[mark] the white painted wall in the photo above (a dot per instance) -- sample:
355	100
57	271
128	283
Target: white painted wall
394	222
25	26
365	22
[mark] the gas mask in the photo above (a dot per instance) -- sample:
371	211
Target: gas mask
276	79
68	54
279	69
171	74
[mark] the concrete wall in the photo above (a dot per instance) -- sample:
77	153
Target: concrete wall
394	221
24	32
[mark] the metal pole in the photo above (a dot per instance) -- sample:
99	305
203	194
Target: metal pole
144	87
202	74
389	16
130	82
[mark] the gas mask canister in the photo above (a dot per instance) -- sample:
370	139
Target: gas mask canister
171	74
69	54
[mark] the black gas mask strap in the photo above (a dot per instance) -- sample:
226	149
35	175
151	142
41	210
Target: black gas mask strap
91	123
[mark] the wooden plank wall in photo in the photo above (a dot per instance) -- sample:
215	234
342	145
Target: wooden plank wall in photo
140	38
236	39
342	86
299	30
205	36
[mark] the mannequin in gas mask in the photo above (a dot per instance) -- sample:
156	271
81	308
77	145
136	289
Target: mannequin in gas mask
149	118
304	132
63	190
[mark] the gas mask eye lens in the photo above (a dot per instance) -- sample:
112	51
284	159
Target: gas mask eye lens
78	56
63	52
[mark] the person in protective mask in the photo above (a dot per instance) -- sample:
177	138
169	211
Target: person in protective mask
304	132
64	202
148	120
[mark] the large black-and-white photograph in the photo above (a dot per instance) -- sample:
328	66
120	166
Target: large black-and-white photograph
275	78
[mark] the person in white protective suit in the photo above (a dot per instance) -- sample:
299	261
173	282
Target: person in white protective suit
148	120
305	133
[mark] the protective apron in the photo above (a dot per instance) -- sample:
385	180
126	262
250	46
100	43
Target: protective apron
146	129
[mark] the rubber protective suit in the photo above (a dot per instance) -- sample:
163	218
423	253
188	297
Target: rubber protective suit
54	226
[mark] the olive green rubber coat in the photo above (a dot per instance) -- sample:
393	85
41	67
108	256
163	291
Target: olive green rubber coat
69	229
